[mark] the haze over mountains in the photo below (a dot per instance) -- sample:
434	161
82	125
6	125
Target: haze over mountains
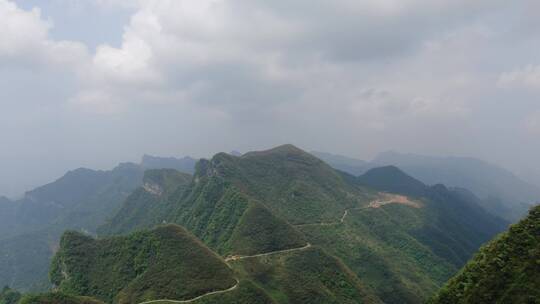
500	191
315	223
116	186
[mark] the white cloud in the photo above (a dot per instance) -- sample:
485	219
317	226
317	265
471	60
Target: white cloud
404	74
525	77
236	53
24	38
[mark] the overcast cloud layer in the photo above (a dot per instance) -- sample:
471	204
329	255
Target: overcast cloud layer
92	83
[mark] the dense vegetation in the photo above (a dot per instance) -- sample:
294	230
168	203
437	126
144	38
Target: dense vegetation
306	276
293	184
506	270
339	246
57	298
82	199
25	259
246	292
167	262
281	198
392	179
9	296
213	208
150	204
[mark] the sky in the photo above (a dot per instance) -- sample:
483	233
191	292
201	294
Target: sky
91	83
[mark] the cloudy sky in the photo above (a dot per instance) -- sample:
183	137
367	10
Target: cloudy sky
95	82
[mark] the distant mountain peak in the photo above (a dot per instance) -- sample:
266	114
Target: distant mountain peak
282	149
390	171
393	179
185	164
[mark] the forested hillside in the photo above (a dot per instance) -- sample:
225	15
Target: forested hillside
402	247
506	270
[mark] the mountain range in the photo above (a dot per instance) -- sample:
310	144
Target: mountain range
82	199
288	225
274	226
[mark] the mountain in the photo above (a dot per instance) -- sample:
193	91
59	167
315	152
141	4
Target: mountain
149	204
25	259
185	164
8	209
291	224
81	199
392	179
164	263
500	191
506	270
483	178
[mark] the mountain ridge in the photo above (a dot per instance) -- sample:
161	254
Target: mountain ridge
287	189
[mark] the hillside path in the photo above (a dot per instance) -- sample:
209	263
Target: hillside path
196	298
385	199
241	257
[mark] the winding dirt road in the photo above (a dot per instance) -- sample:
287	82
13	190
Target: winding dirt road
196	298
384	199
241	257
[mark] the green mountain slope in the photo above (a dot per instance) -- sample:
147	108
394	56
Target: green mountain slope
81	200
57	298
283	198
305	276
392	179
293	184
165	263
25	259
216	211
506	270
149	204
